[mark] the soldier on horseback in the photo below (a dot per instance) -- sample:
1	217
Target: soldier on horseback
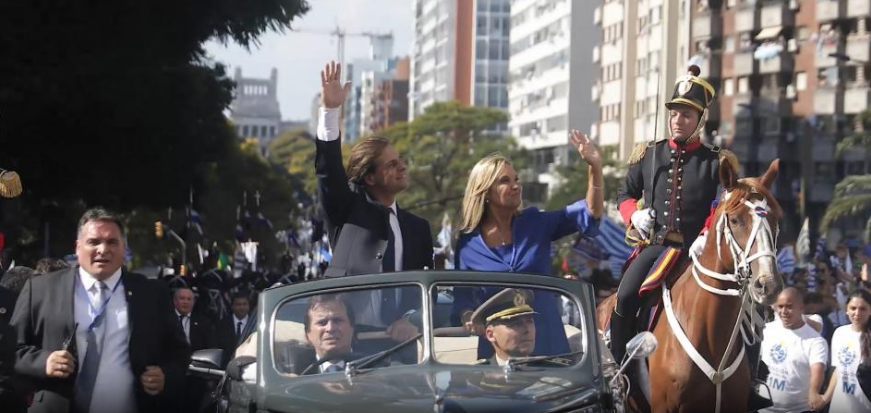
677	178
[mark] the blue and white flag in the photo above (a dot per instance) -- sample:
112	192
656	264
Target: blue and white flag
612	238
786	260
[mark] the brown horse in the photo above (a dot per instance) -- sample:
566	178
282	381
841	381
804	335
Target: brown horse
711	299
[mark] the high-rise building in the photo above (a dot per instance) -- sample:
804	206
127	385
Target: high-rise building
792	80
460	53
644	48
255	110
386	97
550	82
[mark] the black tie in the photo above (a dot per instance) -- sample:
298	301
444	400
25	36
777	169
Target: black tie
238	331
181	326
389	263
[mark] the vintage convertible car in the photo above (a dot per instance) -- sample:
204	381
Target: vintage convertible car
438	367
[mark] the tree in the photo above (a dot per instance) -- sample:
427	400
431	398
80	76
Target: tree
573	179
441	146
852	196
116	103
295	152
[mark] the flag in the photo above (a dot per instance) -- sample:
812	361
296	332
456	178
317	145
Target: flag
786	260
195	216
263	220
240	233
223	261
325	254
820	251
803	244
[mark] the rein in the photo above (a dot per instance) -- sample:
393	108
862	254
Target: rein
747	315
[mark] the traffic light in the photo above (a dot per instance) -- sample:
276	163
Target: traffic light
158	229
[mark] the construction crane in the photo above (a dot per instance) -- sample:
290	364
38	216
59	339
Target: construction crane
340	34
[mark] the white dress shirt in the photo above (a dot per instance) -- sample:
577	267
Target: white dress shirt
236	322
114	386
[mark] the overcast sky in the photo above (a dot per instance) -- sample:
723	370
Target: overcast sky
299	57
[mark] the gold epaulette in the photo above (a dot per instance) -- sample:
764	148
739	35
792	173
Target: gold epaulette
10	184
638	153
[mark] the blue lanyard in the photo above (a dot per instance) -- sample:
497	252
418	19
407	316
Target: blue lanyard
99	311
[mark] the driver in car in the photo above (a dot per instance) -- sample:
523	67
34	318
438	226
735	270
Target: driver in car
329	329
506	321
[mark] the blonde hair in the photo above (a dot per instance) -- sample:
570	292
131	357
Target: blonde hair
482	177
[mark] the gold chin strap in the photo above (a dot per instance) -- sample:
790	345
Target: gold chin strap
10	184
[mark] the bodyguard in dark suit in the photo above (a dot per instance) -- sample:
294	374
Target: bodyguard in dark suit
368	231
96	337
200	335
233	330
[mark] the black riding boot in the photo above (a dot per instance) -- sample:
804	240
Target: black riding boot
756	401
622	330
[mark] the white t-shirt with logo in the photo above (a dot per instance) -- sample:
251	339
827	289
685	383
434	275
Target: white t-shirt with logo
789	355
846	356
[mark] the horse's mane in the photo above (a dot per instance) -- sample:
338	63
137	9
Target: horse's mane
743	190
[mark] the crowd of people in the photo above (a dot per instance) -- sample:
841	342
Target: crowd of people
93	325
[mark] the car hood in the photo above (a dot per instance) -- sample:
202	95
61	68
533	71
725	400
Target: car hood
424	388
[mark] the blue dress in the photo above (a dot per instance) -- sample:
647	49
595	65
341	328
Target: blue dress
532	231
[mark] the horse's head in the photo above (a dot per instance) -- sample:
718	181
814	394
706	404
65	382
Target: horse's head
746	229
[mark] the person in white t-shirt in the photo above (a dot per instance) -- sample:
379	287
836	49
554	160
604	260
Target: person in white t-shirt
795	355
844	391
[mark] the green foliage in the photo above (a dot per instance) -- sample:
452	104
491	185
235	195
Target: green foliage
116	104
295	152
574	178
852	198
442	145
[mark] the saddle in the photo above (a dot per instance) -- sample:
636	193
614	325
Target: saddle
666	270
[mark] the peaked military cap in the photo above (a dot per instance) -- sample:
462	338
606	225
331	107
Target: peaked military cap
505	305
693	91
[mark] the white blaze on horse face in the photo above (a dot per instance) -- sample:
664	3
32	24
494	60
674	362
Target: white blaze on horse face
765	285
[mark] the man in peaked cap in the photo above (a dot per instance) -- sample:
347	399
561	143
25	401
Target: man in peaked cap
507	322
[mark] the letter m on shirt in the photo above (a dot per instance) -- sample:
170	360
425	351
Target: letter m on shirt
850	388
776	384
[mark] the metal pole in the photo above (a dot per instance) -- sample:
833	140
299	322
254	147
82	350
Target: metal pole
184	255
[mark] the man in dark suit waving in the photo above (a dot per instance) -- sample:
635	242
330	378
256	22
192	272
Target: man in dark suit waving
368	231
95	338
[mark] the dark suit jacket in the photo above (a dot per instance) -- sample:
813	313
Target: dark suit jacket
202	333
358	227
11	393
44	319
226	335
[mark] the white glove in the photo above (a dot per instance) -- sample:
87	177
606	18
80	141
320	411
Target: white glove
699	245
642	221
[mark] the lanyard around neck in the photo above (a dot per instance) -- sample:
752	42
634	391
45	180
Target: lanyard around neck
98	312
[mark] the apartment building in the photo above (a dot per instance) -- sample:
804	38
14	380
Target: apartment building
460	53
645	47
550	81
791	82
255	111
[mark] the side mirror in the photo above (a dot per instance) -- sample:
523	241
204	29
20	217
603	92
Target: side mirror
207	362
237	365
642	345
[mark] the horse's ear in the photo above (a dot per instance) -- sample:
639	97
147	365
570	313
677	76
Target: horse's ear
728	175
771	173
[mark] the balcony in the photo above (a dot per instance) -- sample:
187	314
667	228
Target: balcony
831	9
767	150
822	58
746	18
707	25
772	102
825	100
858	8
743	64
858	48
783	62
777	14
856	100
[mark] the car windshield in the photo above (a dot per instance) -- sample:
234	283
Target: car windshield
490	324
319	334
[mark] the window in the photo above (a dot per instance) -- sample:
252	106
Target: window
801	81
729	87
245	131
729	44
743	85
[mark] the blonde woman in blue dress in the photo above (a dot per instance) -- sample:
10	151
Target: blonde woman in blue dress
851	346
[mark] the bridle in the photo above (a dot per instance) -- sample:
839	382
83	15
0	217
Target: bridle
742	275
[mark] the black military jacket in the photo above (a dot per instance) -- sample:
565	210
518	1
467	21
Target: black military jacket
685	184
